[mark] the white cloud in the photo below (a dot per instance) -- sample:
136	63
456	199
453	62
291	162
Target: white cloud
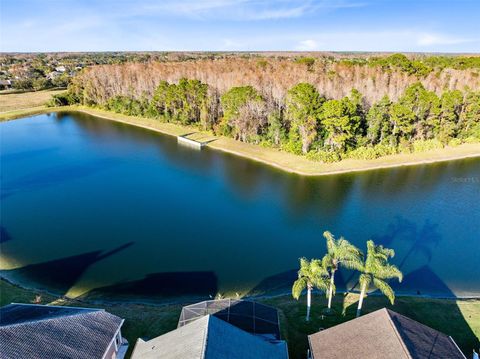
427	39
307	45
244	10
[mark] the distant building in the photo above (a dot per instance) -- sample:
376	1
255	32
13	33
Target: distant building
5	84
60	68
383	334
44	331
53	74
219	329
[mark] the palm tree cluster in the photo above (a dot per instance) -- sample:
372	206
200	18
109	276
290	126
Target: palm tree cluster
320	274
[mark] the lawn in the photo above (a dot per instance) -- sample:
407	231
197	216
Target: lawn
24	100
458	318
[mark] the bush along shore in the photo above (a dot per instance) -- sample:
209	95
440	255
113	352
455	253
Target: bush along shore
303	121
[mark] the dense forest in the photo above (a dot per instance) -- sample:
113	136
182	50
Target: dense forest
326	109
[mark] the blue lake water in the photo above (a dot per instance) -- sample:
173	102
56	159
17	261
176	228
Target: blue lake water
90	207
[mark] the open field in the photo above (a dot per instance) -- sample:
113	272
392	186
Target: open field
458	318
23	100
270	156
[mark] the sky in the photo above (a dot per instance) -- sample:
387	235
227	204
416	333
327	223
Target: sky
240	25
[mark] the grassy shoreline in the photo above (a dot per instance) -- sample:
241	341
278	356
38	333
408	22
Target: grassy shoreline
459	318
281	160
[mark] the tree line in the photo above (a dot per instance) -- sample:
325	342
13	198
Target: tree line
419	66
307	123
374	269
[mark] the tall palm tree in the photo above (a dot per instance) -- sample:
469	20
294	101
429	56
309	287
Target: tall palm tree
340	252
376	269
311	275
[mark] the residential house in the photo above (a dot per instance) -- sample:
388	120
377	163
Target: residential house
60	68
219	329
47	331
5	84
383	334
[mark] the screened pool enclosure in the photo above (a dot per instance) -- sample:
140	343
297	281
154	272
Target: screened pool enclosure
250	316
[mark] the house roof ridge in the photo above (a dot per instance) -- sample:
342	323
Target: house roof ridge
49	319
397	333
205	337
439	333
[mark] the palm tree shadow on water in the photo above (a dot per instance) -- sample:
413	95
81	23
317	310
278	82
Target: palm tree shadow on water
59	275
422	280
4	235
421	241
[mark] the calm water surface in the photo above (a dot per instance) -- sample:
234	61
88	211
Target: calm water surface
90	207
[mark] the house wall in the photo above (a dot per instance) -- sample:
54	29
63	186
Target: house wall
111	352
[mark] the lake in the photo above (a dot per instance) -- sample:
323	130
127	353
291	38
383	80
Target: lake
100	209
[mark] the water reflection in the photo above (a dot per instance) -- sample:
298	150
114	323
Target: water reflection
216	221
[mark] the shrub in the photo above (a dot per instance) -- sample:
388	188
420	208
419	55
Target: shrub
324	156
126	105
308	61
262	64
62	99
426	145
371	152
472	139
455	142
292	145
362	153
385	150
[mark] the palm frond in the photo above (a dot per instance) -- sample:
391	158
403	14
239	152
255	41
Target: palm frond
341	251
365	279
382	252
298	286
322	283
385	289
388	271
317	268
330	241
304	270
327	261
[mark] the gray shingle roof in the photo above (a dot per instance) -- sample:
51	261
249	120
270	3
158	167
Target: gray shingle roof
39	331
383	334
209	338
